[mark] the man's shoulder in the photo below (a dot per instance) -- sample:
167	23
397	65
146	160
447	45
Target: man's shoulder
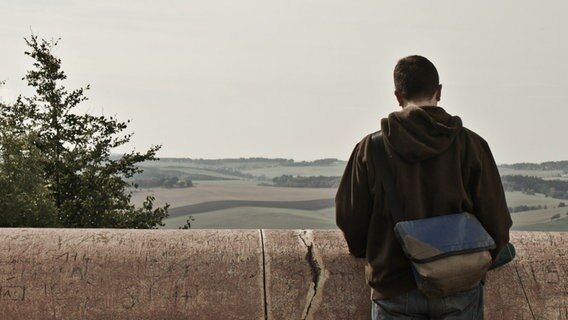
472	137
365	141
475	147
371	137
363	148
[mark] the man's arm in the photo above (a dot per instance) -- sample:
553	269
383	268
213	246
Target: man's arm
489	201
353	202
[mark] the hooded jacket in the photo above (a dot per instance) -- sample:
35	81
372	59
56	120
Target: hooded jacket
439	167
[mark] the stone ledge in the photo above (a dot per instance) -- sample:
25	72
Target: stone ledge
235	274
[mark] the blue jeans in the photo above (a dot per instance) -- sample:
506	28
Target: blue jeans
467	305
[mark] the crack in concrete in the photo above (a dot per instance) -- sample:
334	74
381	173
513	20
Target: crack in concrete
264	275
524	292
315	270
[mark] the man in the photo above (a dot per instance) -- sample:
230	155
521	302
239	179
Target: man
439	167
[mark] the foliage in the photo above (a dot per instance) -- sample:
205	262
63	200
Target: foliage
175	182
152	177
89	187
187	224
306	182
524	207
548	165
256	162
552	188
25	200
315	163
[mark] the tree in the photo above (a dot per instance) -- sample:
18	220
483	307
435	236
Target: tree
187	224
24	200
88	187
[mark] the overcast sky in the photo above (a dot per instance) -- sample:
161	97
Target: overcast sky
301	79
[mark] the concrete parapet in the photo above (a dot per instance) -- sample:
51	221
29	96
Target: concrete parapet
235	274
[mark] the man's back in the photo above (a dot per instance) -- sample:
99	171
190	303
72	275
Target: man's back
439	168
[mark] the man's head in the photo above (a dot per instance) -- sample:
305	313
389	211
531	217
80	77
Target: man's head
416	82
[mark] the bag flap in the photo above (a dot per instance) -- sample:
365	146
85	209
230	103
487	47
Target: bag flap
430	238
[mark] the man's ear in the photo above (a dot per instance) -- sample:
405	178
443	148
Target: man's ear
439	92
399	98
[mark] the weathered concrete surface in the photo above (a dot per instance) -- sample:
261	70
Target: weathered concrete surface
310	275
535	284
236	274
130	274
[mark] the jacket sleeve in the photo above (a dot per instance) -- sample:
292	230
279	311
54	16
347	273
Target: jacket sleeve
353	202
489	201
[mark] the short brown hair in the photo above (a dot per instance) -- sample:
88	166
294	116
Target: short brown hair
415	77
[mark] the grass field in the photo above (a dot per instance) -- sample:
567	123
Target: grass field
206	207
245	204
199	171
193	171
259	218
281	218
276	171
242	203
556	225
206	191
517	198
534	217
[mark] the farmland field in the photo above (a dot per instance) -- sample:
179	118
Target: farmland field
556	174
259	218
205	191
534	217
244	204
517	198
198	171
205	207
276	171
556	225
232	197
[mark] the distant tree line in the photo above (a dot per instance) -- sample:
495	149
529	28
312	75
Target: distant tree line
163	181
306	182
549	165
551	188
159	177
224	170
523	207
255	160
220	162
315	163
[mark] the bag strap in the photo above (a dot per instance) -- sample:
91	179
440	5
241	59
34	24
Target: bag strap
385	175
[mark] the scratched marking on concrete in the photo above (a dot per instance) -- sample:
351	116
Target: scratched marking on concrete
130	274
14	293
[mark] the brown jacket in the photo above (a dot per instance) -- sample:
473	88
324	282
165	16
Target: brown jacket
439	167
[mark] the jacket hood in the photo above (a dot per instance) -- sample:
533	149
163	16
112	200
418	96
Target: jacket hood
417	134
